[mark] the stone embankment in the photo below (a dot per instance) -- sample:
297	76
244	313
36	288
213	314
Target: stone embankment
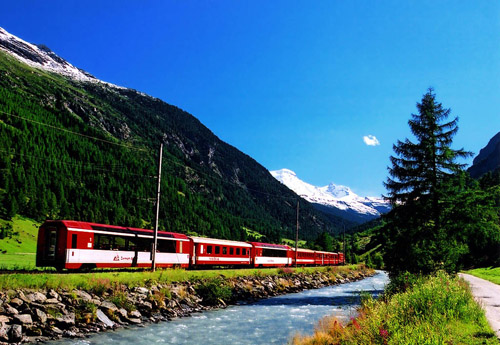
32	316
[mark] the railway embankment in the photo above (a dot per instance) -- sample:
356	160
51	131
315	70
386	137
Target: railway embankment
28	315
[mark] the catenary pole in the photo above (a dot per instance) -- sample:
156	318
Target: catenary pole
297	234
343	225
157	215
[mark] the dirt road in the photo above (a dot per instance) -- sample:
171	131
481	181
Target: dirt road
488	294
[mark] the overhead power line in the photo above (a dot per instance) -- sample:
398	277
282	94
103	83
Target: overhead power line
74	133
140	149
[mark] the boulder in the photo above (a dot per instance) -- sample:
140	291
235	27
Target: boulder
4	319
142	290
23	319
123	313
104	319
15	333
83	295
41	316
36	297
11	310
16	302
67	320
52	300
4	332
109	306
135	314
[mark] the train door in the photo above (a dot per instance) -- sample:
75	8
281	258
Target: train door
51	240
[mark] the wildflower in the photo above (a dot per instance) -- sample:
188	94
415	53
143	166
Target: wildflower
384	334
355	323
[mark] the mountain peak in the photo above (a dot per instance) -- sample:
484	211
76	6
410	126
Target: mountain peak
338	197
339	191
40	56
488	158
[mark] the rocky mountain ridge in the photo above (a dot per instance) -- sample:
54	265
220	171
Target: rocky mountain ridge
208	186
335	199
488	159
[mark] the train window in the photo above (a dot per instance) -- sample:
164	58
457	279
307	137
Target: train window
243	251
209	249
73	241
224	250
217	250
139	244
231	251
166	246
237	251
273	252
103	242
120	243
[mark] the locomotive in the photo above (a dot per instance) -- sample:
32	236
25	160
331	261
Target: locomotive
74	245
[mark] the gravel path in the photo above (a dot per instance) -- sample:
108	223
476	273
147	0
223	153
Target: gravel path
488	295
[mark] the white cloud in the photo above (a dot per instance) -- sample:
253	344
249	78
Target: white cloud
371	140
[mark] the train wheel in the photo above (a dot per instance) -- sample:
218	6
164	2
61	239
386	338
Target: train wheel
87	267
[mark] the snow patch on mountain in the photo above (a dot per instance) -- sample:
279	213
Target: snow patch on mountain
337	196
40	56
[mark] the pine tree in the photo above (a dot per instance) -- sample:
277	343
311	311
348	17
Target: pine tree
422	178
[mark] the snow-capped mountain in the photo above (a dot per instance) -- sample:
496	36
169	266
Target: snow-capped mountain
335	199
40	56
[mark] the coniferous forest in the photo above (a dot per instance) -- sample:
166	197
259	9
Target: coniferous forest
89	151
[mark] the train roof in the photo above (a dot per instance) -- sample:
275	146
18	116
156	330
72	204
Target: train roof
222	242
114	228
270	245
304	250
323	252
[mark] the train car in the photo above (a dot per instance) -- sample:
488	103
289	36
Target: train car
270	255
211	251
77	245
305	257
340	259
322	258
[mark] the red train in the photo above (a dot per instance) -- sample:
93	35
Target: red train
66	244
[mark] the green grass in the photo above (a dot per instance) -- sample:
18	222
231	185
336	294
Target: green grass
436	310
24	237
131	278
491	274
253	234
291	243
18	261
373	250
17	252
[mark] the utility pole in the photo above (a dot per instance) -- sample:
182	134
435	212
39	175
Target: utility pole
343	225
297	234
155	237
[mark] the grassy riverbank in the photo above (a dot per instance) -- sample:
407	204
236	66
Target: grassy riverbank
89	281
435	310
491	274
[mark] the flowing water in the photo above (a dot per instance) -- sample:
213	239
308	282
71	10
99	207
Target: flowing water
270	321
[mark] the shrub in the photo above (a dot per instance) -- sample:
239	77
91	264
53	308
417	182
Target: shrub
286	271
432	310
214	290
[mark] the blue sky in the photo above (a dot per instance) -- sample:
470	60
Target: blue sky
294	84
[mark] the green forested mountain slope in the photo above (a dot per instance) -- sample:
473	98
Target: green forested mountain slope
208	186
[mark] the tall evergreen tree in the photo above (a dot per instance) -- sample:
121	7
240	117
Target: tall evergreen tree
421	180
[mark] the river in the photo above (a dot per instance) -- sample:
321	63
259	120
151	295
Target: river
270	321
